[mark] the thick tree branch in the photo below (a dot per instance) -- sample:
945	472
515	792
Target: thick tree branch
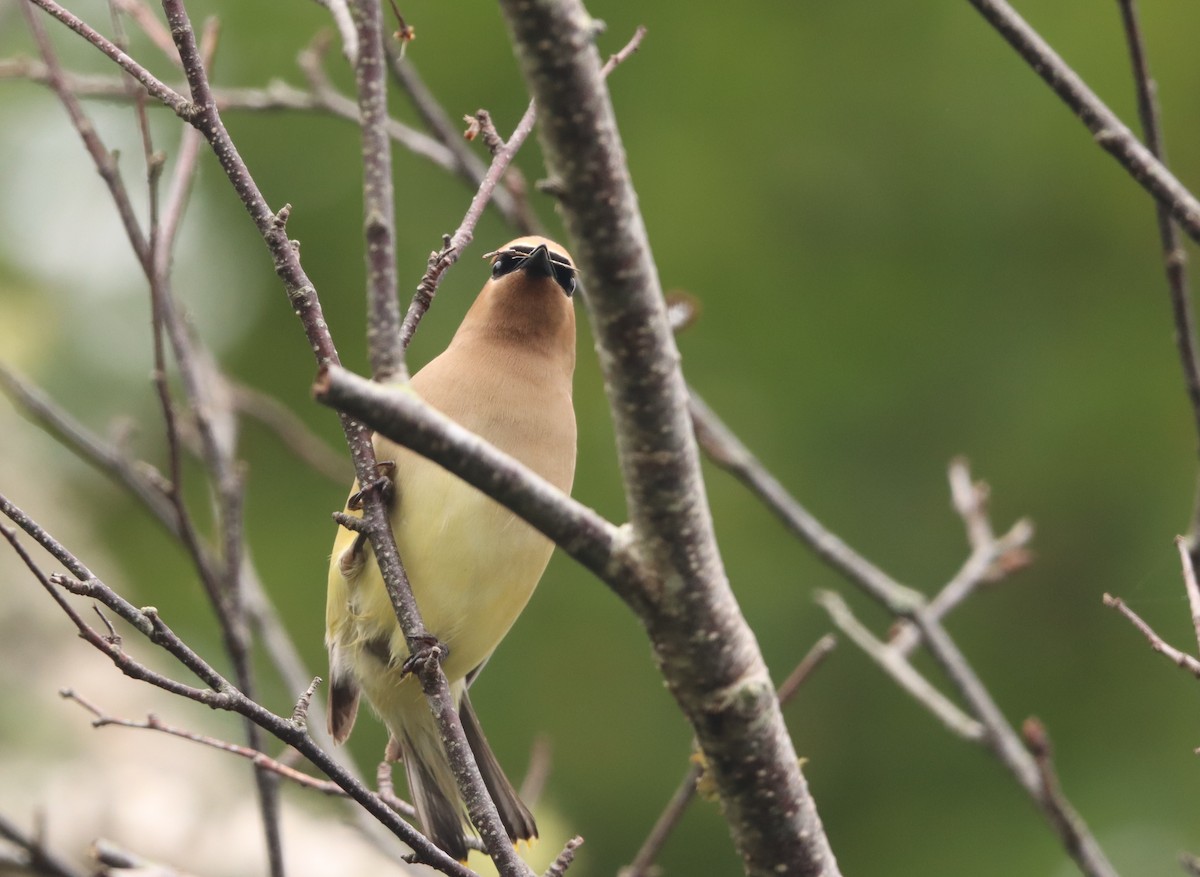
685	793
703	646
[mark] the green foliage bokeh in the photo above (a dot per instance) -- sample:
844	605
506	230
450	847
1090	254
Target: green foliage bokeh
906	249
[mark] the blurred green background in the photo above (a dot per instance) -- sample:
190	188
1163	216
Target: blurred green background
906	249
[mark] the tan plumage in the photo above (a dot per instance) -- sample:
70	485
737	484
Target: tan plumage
472	564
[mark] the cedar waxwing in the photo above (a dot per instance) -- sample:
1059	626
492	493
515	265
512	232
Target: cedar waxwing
472	563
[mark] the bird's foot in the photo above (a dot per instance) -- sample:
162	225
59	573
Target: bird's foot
385	483
422	650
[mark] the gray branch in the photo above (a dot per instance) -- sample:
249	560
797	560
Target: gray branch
703	646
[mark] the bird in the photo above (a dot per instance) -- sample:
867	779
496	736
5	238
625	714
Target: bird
472	564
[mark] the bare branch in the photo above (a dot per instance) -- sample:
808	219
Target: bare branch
897	666
379	211
404	418
643	862
1189	583
1172	654
564	859
104	160
503	153
114	859
148	23
671	815
172	99
259	759
727	451
141	479
466	164
538	772
291	430
1174	254
990	560
1054	804
812	659
38	859
1004	743
725	693
220	695
1110	132
440	261
339	11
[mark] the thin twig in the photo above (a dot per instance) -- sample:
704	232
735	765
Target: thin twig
667	820
115	859
502	156
1109	132
104	160
469	167
277	96
673	812
180	105
564	859
902	672
149	24
1189	583
150	488
260	759
725	449
38	859
291	430
991	558
440	261
1054	804
1168	651
219	695
1174	255
138	477
1173	252
541	759
339	11
812	659
325	97
385	351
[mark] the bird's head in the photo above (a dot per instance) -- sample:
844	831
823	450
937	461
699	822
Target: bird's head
527	302
530	260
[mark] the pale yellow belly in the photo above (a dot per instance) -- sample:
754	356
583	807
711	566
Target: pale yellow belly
472	565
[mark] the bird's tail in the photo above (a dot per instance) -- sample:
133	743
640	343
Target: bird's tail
435	793
517	819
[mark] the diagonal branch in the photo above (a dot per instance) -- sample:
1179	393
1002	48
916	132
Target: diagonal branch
1109	131
502	157
403	417
37	857
219	694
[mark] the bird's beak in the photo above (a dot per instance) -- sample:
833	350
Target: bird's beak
537	263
